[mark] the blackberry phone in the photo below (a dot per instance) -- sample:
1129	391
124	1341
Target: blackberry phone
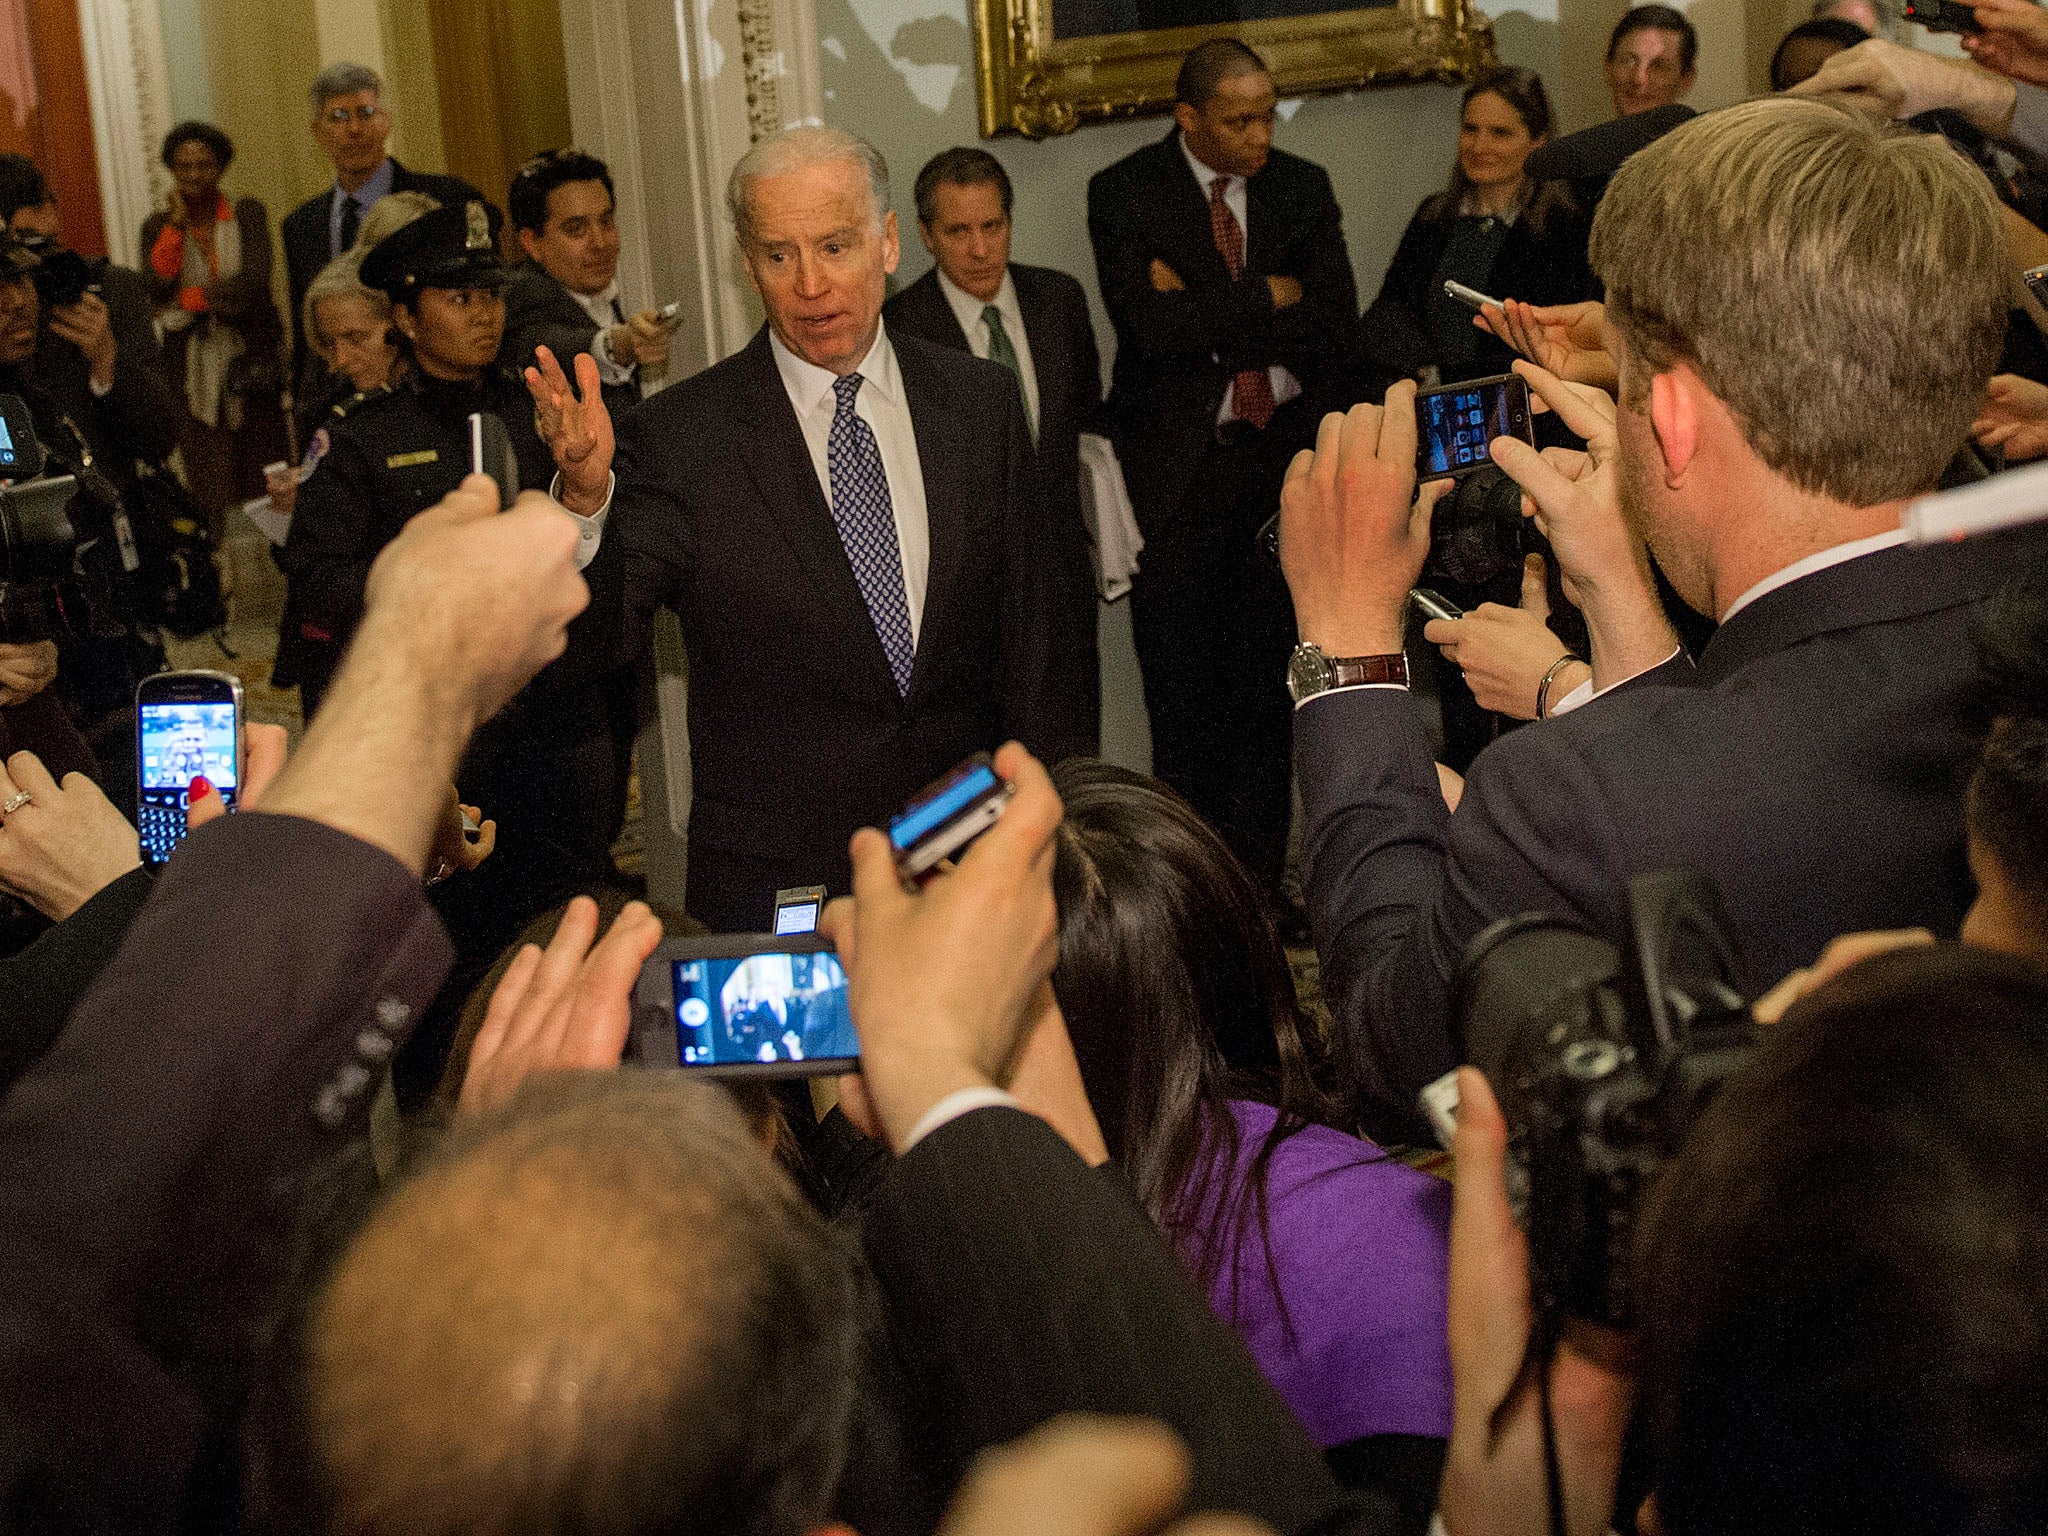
188	726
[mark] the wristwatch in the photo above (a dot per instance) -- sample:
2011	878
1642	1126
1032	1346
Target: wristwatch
1310	671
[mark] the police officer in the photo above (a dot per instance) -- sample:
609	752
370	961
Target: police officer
549	768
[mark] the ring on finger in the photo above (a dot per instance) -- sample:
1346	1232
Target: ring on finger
16	801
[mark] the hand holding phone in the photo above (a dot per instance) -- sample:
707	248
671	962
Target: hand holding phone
188	726
1434	604
754	1005
946	815
1455	424
670	315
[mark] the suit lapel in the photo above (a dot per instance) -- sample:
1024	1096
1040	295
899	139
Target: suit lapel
940	323
943	467
779	460
1049	360
1185	212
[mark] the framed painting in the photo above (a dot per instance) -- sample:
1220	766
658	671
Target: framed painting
1045	67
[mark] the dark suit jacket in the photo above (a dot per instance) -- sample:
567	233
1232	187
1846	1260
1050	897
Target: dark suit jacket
1177	352
1032	1286
138	418
1393	335
1812	765
304	234
151	1163
540	312
797	734
1068	371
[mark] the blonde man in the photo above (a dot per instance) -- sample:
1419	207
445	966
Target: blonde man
1804	308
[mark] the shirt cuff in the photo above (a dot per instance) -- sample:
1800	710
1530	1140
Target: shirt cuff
590	530
1586	693
961	1101
608	370
1349	688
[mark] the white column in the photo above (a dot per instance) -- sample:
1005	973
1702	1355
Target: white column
129	86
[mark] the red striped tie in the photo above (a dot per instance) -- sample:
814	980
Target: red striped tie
1252	397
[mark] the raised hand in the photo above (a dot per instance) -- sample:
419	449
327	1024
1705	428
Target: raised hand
576	428
1504	652
1564	339
2014	417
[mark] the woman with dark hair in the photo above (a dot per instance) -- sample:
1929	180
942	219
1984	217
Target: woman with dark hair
208	265
1492	229
1326	1255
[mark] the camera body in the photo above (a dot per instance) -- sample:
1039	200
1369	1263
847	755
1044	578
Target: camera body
1602	1060
61	275
37	538
1477	532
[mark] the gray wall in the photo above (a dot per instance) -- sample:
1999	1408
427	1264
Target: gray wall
901	73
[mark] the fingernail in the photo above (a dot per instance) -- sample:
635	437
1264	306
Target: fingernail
199	787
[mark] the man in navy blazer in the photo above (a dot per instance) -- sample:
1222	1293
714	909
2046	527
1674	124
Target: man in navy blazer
1040	331
1772	424
841	520
1221	261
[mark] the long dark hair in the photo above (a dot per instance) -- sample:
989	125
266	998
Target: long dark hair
1178	997
1523	90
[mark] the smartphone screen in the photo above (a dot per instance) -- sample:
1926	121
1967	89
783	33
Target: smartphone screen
768	1009
1454	425
7	453
182	735
797	916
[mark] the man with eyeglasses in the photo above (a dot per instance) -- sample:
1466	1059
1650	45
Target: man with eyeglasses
1221	262
350	124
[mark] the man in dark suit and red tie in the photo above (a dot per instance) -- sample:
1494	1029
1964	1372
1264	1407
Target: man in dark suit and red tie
842	521
1222	263
1032	320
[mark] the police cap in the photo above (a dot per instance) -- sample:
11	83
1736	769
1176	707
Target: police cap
455	246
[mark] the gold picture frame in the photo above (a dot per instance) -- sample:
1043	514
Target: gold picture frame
1031	82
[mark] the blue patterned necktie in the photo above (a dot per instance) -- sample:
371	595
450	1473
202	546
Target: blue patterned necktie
867	527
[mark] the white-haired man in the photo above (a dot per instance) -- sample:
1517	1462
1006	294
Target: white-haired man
838	519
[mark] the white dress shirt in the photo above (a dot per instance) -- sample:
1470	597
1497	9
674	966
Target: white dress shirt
604	311
884	406
1285	385
967	309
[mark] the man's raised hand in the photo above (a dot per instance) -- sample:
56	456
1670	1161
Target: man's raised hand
575	426
1565	339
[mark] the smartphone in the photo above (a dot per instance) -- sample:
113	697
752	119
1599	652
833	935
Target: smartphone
1434	604
2036	279
945	816
21	451
1454	424
189	725
670	315
751	1005
797	908
1471	298
1943	16
490	453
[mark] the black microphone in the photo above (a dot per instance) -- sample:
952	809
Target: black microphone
1599	151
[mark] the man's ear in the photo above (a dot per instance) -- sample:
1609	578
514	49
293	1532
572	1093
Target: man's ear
529	242
924	233
892	242
1185	115
1675	419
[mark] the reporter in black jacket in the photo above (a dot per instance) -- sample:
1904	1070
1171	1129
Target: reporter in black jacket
1492	229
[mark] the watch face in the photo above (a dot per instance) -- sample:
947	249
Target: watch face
1308	672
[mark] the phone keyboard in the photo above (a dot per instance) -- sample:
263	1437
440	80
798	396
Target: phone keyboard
161	821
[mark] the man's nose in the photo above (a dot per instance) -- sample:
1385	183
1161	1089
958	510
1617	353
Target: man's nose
810	276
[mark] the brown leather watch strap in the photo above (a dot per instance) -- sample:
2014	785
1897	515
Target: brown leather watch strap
1352	671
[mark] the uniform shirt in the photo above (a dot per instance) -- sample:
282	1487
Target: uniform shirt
1285	385
884	406
967	309
377	186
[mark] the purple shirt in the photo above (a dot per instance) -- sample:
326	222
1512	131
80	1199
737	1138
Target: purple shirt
1361	1246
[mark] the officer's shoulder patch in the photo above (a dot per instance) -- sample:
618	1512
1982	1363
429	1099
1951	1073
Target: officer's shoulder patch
408	460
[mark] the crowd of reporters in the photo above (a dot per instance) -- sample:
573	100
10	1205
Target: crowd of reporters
1704	917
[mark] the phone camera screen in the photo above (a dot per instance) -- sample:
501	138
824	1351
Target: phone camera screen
181	742
762	1008
1456	426
801	917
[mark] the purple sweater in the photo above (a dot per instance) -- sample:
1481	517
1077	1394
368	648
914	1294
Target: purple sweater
1360	1244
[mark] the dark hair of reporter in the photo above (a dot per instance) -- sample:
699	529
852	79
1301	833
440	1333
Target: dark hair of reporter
22	185
1838	30
526	202
1643	18
598	1309
1178	998
213	138
1844	1274
1522	89
1208	65
2007	803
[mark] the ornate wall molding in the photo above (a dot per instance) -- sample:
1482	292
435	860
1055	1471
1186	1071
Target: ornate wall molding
130	86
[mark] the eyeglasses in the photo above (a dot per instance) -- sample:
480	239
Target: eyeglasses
341	117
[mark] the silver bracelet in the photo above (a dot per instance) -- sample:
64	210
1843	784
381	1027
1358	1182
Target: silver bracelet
1543	688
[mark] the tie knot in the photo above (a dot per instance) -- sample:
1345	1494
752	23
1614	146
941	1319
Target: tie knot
846	386
991	316
1217	188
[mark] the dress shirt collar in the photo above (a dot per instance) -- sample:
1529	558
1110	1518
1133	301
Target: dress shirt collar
598	305
1206	173
377	186
808	384
967	308
1820	560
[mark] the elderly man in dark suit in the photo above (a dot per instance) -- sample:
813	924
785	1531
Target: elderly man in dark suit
1812	762
1032	320
565	295
1222	263
842	522
350	124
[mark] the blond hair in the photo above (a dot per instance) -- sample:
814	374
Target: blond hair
1837	284
339	279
